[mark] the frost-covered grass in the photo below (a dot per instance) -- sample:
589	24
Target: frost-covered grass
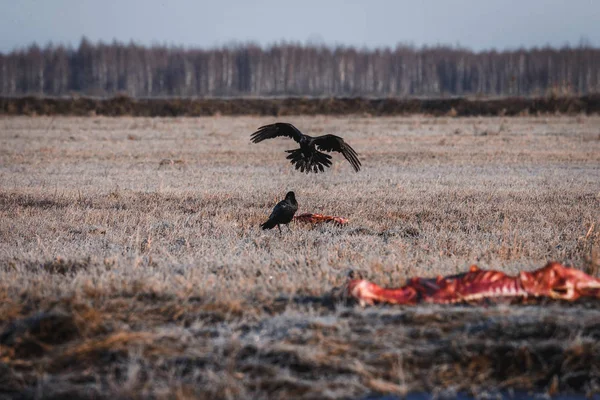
140	237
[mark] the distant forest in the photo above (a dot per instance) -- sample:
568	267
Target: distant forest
296	70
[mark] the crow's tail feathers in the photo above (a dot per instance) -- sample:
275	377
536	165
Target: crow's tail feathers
315	162
270	224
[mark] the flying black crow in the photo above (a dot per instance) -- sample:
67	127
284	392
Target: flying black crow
308	157
283	212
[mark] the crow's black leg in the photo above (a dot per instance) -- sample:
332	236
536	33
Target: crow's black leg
278	227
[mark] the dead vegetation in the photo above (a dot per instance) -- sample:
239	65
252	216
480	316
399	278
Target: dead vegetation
177	107
125	276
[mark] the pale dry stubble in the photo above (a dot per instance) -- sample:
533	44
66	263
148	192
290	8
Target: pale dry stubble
111	208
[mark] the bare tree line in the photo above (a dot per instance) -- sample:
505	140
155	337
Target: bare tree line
292	69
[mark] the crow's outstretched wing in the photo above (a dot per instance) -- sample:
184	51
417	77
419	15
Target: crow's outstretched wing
276	130
336	143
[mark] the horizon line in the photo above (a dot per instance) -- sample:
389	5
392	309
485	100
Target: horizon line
584	43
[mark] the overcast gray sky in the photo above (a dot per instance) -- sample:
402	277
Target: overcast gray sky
477	24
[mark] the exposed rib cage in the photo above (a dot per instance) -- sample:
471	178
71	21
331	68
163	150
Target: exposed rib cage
319	218
553	281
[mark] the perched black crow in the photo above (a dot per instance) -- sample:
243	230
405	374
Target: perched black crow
308	157
283	212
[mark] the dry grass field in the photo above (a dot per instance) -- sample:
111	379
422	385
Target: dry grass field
132	266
